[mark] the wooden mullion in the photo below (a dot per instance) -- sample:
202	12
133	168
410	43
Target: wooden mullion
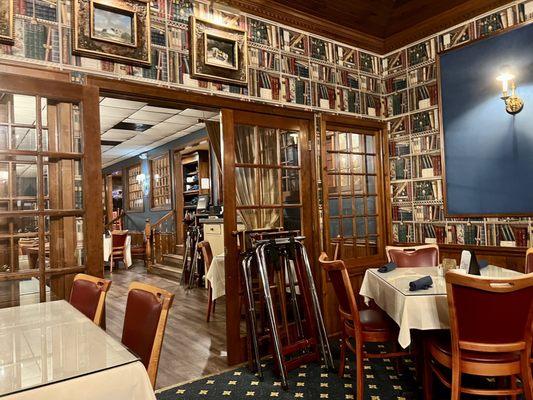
280	175
40	203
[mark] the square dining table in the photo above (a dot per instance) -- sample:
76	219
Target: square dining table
421	309
52	351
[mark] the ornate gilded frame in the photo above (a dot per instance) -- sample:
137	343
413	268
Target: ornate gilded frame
86	43
7	34
200	30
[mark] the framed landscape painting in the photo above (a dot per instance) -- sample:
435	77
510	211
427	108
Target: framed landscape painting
6	22
117	30
218	52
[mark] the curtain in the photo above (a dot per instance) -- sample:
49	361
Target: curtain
213	132
257	186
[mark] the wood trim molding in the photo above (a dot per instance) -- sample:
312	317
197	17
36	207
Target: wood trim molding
291	17
440	22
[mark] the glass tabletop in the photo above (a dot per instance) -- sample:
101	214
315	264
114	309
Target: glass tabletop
49	342
399	278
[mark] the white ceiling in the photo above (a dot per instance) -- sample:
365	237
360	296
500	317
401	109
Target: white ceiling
168	124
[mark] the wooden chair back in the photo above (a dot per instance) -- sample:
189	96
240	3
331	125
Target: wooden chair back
490	315
340	279
88	295
144	323
414	256
118	239
529	261
207	254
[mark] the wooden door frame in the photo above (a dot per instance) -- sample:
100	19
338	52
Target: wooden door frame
87	97
236	345
382	171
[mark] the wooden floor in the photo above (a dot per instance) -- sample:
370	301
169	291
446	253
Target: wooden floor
192	348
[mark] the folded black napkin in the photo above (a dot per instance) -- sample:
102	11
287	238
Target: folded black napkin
421	284
387	267
483	263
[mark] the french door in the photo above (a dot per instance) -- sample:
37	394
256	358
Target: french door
267	184
50	187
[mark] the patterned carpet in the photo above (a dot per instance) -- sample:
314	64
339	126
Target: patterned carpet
311	381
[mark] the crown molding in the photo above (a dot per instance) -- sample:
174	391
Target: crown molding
441	22
291	17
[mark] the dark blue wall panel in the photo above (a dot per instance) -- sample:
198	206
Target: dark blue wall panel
488	153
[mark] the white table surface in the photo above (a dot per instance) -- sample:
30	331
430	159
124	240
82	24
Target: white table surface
108	247
216	275
421	309
51	351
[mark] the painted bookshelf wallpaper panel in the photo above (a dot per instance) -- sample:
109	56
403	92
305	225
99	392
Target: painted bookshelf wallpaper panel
286	66
411	110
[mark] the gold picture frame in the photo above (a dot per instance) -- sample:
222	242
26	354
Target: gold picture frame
7	35
218	52
115	30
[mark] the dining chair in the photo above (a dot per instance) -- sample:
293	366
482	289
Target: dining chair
491	335
144	324
361	326
118	240
414	256
88	295
529	261
207	256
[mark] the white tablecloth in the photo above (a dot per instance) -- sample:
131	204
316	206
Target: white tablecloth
108	246
216	275
423	309
127	382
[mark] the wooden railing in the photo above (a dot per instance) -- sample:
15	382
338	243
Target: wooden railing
163	235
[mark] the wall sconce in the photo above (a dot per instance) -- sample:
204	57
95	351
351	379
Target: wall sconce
513	103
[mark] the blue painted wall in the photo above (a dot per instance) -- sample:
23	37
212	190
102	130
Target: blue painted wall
136	220
488	152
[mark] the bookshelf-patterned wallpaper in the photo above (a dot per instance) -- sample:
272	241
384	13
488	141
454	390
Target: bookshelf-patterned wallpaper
286	66
411	110
297	69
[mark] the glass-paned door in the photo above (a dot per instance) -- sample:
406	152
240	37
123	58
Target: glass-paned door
353	192
267	185
43	204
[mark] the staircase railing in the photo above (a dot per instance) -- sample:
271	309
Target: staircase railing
163	235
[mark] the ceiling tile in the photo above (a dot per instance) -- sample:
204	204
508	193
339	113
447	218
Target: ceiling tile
117	134
147	116
114	112
119	103
189	112
160	110
182	119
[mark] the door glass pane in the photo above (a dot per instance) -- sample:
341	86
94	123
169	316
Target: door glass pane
356	221
291	186
25	180
244	144
269	180
36	187
265	192
24	109
289	148
292	220
24	139
268	147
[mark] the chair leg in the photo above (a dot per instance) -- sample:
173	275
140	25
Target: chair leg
111	262
359	371
342	363
456	384
209	303
527	378
427	377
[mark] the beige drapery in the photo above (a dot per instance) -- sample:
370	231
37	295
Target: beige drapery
257	186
